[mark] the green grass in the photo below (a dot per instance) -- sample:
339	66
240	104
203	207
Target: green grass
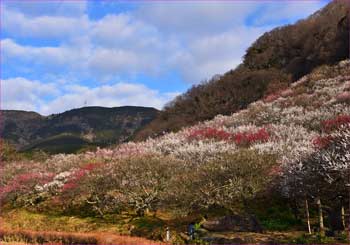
64	143
275	214
317	239
149	227
24	220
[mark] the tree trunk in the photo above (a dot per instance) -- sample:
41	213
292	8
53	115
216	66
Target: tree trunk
343	216
99	211
295	210
320	216
307	215
140	212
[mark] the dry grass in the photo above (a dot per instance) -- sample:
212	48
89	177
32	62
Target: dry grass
36	237
24	227
19	219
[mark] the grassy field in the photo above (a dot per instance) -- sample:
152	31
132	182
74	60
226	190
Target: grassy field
20	226
24	227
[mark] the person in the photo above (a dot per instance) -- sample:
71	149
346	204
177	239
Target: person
191	230
167	235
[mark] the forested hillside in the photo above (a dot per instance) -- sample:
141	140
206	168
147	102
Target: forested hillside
274	61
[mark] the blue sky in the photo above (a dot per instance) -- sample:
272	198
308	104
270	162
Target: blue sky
59	55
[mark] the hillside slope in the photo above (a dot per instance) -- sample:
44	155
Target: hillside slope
89	125
290	147
275	60
286	122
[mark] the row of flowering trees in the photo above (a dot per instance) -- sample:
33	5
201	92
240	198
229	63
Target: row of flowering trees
323	176
298	141
240	139
149	182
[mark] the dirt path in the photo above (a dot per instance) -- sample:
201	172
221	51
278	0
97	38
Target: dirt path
250	237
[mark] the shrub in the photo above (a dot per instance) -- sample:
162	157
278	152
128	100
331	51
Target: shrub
229	181
248	138
33	237
336	123
287	92
209	133
8	152
321	142
271	98
343	97
77	176
24	184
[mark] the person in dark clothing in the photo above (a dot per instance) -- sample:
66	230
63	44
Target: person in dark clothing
191	230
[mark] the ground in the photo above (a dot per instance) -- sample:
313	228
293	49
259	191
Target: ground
21	226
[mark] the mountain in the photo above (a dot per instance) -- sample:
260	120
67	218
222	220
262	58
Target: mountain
274	61
71	130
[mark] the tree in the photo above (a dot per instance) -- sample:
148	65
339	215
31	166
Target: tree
229	181
322	176
143	181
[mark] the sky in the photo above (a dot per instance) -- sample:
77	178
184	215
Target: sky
60	55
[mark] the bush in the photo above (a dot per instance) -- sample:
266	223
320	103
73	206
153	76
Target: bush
248	138
48	237
336	123
316	239
209	133
8	152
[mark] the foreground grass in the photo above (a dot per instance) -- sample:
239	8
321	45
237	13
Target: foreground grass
25	220
20	226
24	227
32	237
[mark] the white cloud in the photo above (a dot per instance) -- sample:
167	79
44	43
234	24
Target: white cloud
47	98
50	57
47	8
23	94
111	62
101	63
46	26
119	30
118	94
196	39
215	54
196	18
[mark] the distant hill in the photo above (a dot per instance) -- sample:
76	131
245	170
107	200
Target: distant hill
275	60
72	130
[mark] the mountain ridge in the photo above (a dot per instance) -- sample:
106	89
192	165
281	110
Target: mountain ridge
95	125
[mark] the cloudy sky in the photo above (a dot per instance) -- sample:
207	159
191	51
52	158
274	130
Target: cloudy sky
59	55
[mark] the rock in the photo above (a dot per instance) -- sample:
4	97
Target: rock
344	63
222	240
233	223
184	236
237	240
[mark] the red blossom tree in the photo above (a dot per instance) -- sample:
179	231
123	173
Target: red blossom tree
336	123
209	133
75	178
271	97
247	138
322	142
25	183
